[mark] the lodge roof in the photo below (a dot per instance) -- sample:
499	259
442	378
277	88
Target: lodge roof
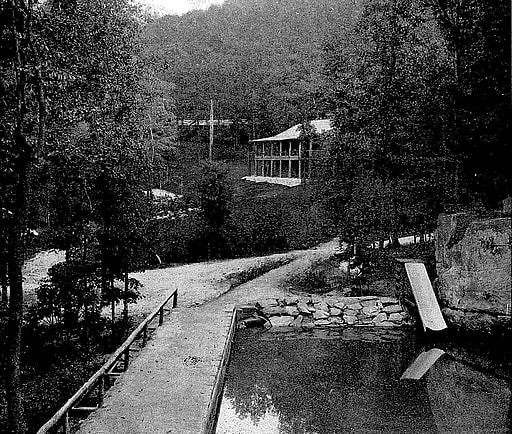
319	125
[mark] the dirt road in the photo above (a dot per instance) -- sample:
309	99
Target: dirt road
200	282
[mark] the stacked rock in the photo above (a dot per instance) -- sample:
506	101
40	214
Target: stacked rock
332	311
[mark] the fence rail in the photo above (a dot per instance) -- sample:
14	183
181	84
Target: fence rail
61	418
208	426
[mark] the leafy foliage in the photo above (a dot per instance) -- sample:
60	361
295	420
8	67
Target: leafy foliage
402	80
214	194
394	168
72	158
96	165
478	38
69	294
259	60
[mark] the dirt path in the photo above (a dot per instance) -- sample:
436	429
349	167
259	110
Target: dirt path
212	281
274	284
200	282
196	283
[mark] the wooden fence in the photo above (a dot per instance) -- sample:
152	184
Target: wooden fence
60	420
209	424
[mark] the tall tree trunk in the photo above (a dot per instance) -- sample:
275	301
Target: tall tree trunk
3	276
87	307
15	255
111	283
125	299
16	417
15	242
24	59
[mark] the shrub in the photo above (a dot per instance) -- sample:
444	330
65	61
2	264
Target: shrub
70	294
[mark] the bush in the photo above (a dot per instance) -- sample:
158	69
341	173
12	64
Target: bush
312	280
256	231
70	295
384	263
178	240
263	219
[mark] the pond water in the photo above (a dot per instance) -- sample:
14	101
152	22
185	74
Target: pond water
348	381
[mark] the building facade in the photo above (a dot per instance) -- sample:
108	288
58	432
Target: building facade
285	156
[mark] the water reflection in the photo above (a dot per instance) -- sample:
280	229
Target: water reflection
339	382
465	400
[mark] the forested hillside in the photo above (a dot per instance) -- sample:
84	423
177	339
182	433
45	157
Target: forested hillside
422	123
259	60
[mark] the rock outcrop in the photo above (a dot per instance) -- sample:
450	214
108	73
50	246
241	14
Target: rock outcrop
473	267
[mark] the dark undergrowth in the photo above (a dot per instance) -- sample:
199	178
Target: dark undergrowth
55	364
264	219
238	278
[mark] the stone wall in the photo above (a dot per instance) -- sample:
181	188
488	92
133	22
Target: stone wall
473	268
329	311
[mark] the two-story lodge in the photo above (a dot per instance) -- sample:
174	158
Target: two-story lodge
284	158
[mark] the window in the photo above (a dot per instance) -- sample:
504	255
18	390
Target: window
285	168
294	168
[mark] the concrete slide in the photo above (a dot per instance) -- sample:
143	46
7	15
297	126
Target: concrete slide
428	308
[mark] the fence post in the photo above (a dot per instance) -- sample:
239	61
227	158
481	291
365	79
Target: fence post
175	299
161	318
126	358
145	335
65	426
101	390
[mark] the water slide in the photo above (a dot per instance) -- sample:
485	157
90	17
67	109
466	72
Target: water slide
428	308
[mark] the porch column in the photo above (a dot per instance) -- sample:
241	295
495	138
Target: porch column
280	159
262	158
300	147
290	159
271	159
310	159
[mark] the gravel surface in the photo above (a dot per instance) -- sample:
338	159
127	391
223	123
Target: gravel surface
200	282
219	282
274	284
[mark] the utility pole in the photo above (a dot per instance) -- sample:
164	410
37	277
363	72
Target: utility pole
152	169
211	131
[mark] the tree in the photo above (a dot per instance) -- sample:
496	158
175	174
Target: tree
387	75
159	128
478	128
121	212
21	135
257	59
98	165
214	197
69	81
69	298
